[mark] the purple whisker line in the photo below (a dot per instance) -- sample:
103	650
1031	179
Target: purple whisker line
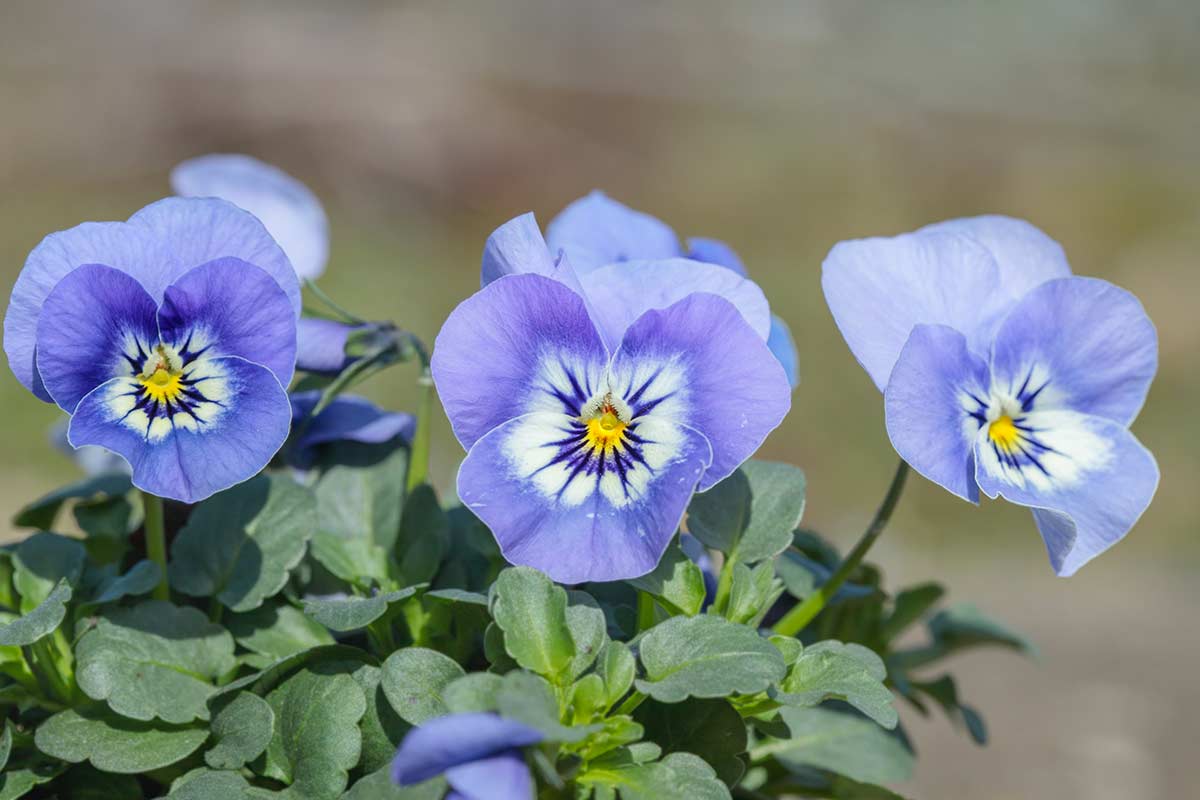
633	397
1027	402
580	394
643	409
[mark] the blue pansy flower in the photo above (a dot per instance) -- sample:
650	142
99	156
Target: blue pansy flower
1004	373
167	338
595	232
347	418
479	753
587	436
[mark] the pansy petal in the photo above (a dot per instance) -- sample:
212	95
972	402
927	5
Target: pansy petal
878	289
518	247
620	293
500	777
321	345
1086	477
231	308
596	230
577	515
783	346
714	251
192	231
98	322
932	418
346	419
224	439
442	743
523	343
291	213
698	363
1078	343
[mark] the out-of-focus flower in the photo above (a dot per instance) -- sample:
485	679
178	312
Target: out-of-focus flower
321	345
92	460
1003	373
167	338
479	753
582	457
346	419
288	209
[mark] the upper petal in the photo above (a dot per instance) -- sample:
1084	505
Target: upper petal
234	308
517	247
619	293
499	777
878	289
596	230
97	323
1086	477
1080	343
321	344
714	251
523	343
932	404
445	742
289	210
698	363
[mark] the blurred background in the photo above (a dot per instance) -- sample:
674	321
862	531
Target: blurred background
780	127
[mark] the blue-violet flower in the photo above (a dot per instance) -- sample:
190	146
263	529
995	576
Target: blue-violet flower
347	418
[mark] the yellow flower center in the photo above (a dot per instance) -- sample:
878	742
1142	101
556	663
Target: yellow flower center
606	431
161	377
1003	432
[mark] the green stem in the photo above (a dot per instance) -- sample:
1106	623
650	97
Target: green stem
156	542
319	293
418	464
631	703
794	621
645	611
725	581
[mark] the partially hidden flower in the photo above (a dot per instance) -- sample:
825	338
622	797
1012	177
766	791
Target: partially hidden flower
92	460
587	437
1004	373
595	232
479	753
347	418
167	338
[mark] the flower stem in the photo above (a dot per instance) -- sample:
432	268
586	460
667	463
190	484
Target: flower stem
156	542
645	611
794	621
319	293
418	463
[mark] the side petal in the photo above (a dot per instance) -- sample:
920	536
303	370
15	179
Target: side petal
321	345
1088	483
878	289
698	363
234	308
1078	343
619	293
224	440
191	231
524	343
500	777
596	230
714	251
97	323
553	505
934	405
783	346
291	213
446	742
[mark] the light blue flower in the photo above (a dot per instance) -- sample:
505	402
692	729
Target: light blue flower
347	418
1002	372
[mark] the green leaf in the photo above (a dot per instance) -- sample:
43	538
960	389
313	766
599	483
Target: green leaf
588	699
40	562
205	784
616	665
909	606
361	494
790	647
317	739
242	726
141	579
843	743
39	622
42	512
154	660
587	625
18	782
85	782
424	536
240	545
107	523
382	729
679	776
944	691
532	612
116	744
274	674
277	631
528	698
476	691
677	583
711	729
752	593
965	626
353	613
5	745
413	681
706	656
798	578
752	513
832	670
357	561
378	786
458	596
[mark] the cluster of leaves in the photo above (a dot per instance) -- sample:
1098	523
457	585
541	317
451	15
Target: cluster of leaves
316	618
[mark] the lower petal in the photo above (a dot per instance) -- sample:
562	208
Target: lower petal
189	455
1088	480
501	777
578	518
932	407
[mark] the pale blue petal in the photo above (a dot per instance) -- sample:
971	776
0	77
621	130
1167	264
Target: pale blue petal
596	230
346	419
500	777
714	251
783	346
321	345
443	743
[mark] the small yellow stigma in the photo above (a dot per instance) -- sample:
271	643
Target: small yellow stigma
606	431
161	377
1003	432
